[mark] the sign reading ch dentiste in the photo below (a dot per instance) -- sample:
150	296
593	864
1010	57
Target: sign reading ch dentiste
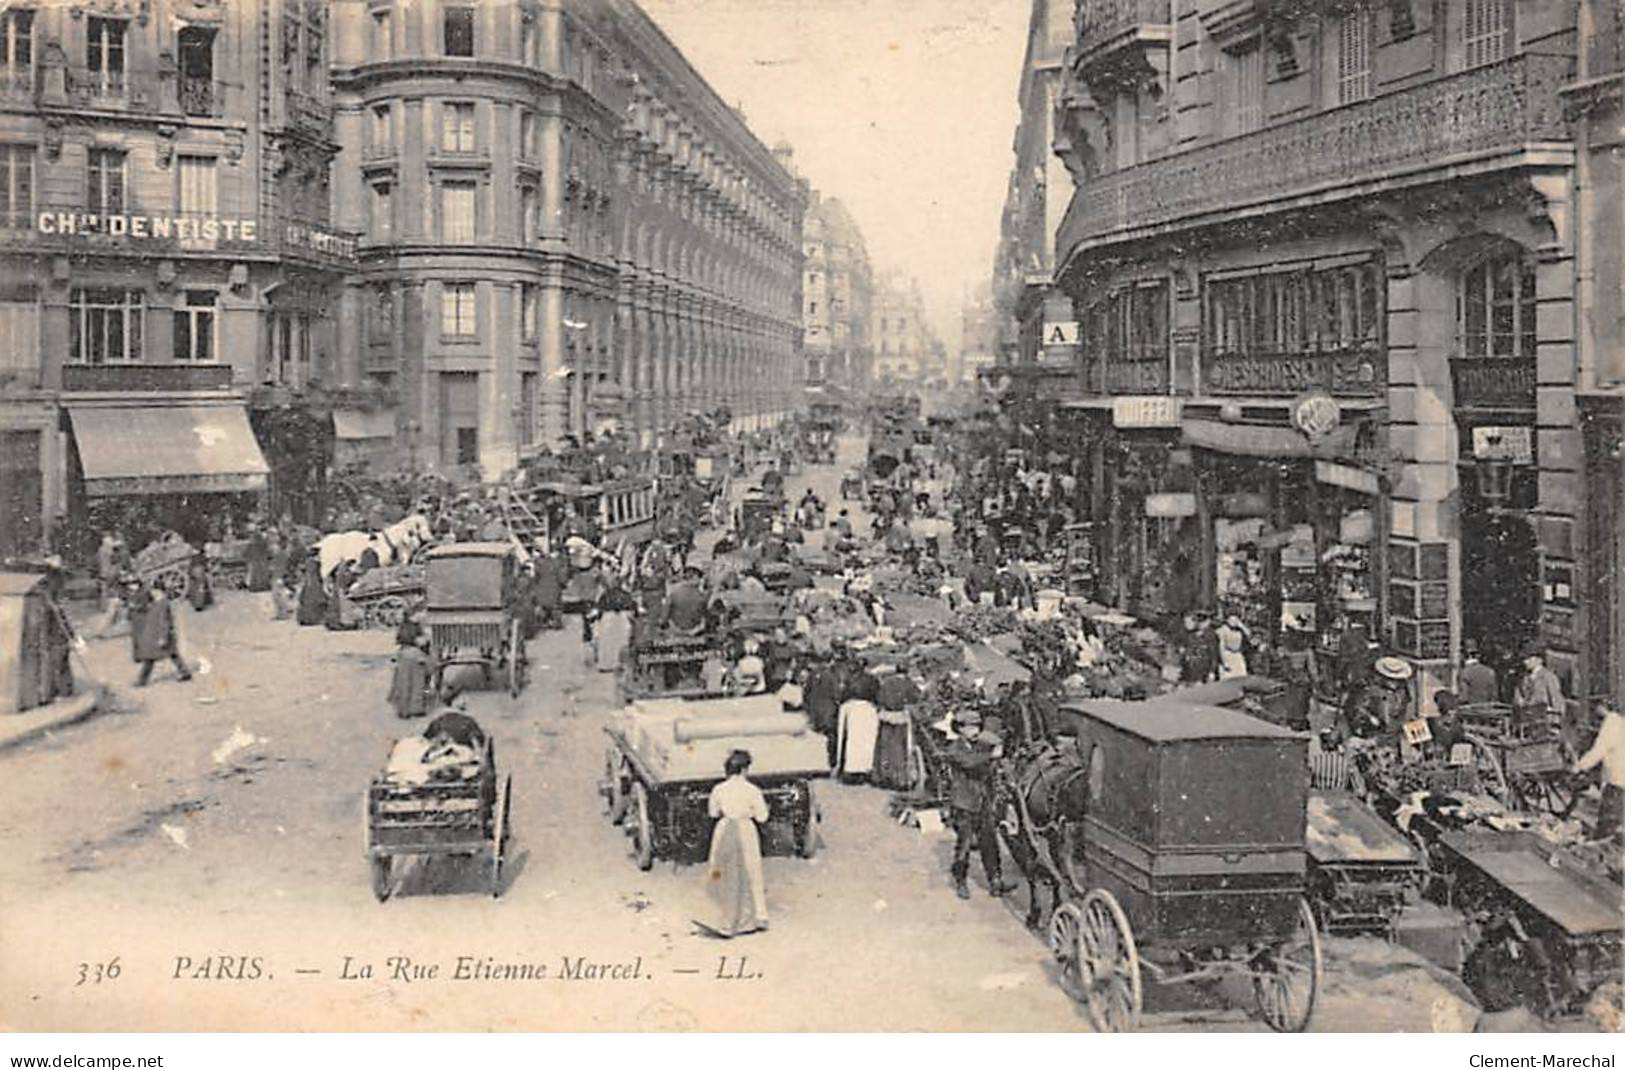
159	227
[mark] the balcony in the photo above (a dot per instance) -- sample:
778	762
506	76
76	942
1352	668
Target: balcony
18	83
317	243
109	90
1479	120
309	114
201	97
1109	30
144	378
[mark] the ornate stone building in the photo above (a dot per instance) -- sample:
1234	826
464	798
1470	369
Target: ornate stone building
1334	267
837	298
906	351
164	252
565	228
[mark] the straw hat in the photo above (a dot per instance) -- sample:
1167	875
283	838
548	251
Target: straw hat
1393	668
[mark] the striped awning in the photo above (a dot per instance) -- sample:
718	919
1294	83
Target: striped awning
170	449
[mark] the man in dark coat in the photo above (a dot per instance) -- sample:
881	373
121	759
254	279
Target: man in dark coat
822	697
685	606
548	590
1479	683
258	556
409	685
152	633
312	597
979	579
970	758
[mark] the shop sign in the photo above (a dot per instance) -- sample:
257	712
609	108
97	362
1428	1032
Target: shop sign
1514	445
319	240
1341	475
1136	377
1147	411
1316	415
148	227
1064	333
1353	373
1168	506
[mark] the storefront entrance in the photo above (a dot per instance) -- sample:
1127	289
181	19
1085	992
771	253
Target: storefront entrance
1500	566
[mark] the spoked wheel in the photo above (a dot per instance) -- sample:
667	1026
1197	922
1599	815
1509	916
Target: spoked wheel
1109	965
807	823
1492	779
614	786
643	831
501	833
516	659
1071	860
1554	795
1286	978
382	886
1065	927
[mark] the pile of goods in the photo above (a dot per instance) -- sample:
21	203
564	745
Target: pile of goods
387	596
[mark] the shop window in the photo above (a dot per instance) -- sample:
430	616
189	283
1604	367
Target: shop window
458	28
457	311
1495	308
194	327
104	326
105	181
457	127
104	57
457	210
17	51
16	185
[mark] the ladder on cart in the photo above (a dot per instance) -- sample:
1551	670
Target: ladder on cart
523	524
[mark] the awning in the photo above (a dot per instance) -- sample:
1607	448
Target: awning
1250	440
353	424
174	449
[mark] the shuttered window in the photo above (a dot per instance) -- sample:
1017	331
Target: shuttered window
1354	57
1484	32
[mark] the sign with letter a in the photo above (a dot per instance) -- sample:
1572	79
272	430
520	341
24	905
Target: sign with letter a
1061	333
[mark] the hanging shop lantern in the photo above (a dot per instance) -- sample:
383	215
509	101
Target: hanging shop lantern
1494	481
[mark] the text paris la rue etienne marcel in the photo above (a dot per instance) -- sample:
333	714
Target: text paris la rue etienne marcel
407	970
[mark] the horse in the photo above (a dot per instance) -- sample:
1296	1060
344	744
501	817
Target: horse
1042	794
394	545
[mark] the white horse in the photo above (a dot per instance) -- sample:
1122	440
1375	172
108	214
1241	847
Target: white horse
395	545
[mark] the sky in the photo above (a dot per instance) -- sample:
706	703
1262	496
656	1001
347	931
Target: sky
903	109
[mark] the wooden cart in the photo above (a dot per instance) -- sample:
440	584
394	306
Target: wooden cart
464	817
665	756
1362	871
1191	872
473	611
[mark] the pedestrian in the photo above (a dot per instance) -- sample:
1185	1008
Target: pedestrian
411	682
548	588
970	760
1478	682
734	873
152	633
1608	750
312	596
615	608
258	557
1540	694
199	588
1232	637
108	568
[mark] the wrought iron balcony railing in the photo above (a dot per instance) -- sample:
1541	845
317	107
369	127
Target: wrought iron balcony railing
1104	26
144	378
1404	136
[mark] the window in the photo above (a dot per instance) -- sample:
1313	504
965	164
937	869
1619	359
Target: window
104	326
458	25
528	52
381	132
1495	309
380	220
1484	32
457	319
19	330
527	408
17	50
381	317
812	308
528	304
457	201
1244	89
197	71
104	57
457	127
468	445
528	202
383	44
197	185
105	195
1131	324
16	185
1326	311
527	135
194	327
1354	57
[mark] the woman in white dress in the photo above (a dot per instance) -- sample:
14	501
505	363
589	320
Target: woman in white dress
734	875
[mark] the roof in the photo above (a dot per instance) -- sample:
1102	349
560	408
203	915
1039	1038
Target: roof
15	583
471	549
1164	721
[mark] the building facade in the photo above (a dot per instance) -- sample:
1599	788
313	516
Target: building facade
980	337
1037	193
837	298
565	229
905	349
165	252
1330	264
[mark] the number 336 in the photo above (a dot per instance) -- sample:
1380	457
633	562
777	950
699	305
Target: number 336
94	973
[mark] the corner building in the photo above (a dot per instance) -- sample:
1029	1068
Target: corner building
564	230
1323	258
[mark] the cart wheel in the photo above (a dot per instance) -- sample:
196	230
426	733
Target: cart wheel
382	886
808	824
1548	794
500	835
1492	779
643	832
1286	993
516	660
1109	965
614	786
1065	928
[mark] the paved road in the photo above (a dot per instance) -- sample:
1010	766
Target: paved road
208	836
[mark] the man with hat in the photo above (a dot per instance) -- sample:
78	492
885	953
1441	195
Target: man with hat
1540	694
1384	703
970	757
1477	680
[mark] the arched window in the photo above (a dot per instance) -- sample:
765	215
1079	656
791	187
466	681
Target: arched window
1495	308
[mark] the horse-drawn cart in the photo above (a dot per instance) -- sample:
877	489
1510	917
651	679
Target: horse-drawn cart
1189	871
665	756
431	808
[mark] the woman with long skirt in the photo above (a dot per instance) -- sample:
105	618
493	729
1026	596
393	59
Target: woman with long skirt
734	874
614	631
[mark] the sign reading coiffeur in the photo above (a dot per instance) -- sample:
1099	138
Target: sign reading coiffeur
159	227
